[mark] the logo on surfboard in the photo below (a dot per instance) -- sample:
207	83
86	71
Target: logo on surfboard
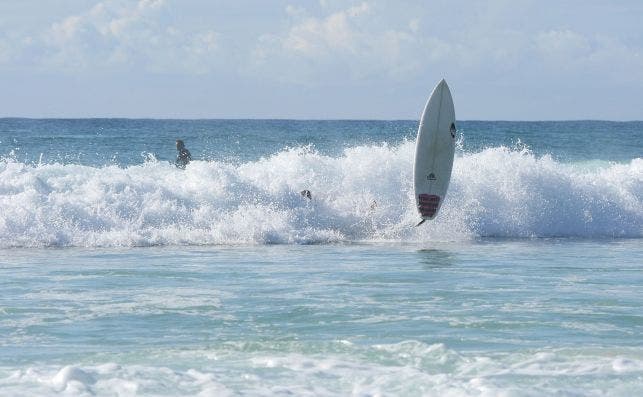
428	204
452	129
431	177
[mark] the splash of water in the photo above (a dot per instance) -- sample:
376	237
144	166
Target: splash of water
364	194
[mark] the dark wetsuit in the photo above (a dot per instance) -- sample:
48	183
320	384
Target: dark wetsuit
183	158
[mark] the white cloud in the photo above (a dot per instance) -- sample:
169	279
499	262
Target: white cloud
375	40
324	36
124	34
295	11
349	40
381	40
342	39
602	56
342	47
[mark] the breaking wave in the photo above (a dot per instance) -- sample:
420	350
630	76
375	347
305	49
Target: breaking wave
364	194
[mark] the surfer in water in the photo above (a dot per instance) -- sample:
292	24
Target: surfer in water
306	194
184	156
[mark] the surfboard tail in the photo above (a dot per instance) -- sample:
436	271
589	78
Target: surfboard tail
428	204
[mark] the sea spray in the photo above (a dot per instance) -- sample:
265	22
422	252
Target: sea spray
363	194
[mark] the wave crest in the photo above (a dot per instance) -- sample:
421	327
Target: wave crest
365	194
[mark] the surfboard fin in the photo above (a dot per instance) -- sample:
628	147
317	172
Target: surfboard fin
421	222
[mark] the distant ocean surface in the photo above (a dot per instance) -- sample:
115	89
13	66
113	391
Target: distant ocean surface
122	275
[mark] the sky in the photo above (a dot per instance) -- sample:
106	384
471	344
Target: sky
321	59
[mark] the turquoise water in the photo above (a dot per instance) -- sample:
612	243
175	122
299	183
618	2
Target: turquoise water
122	275
98	142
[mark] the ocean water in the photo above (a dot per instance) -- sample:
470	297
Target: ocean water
122	275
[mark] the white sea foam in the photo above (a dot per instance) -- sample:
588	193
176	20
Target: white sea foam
406	368
365	194
77	306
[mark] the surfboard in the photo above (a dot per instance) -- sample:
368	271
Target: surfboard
434	151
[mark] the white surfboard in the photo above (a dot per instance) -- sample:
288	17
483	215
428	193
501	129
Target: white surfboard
434	151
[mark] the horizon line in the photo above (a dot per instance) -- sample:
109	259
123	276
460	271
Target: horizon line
303	119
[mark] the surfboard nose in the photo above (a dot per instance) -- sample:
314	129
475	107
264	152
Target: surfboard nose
441	86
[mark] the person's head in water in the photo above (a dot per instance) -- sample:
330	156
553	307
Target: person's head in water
306	194
184	156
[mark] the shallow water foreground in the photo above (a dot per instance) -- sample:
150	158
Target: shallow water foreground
491	317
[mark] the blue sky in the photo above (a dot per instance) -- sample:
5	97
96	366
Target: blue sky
370	59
